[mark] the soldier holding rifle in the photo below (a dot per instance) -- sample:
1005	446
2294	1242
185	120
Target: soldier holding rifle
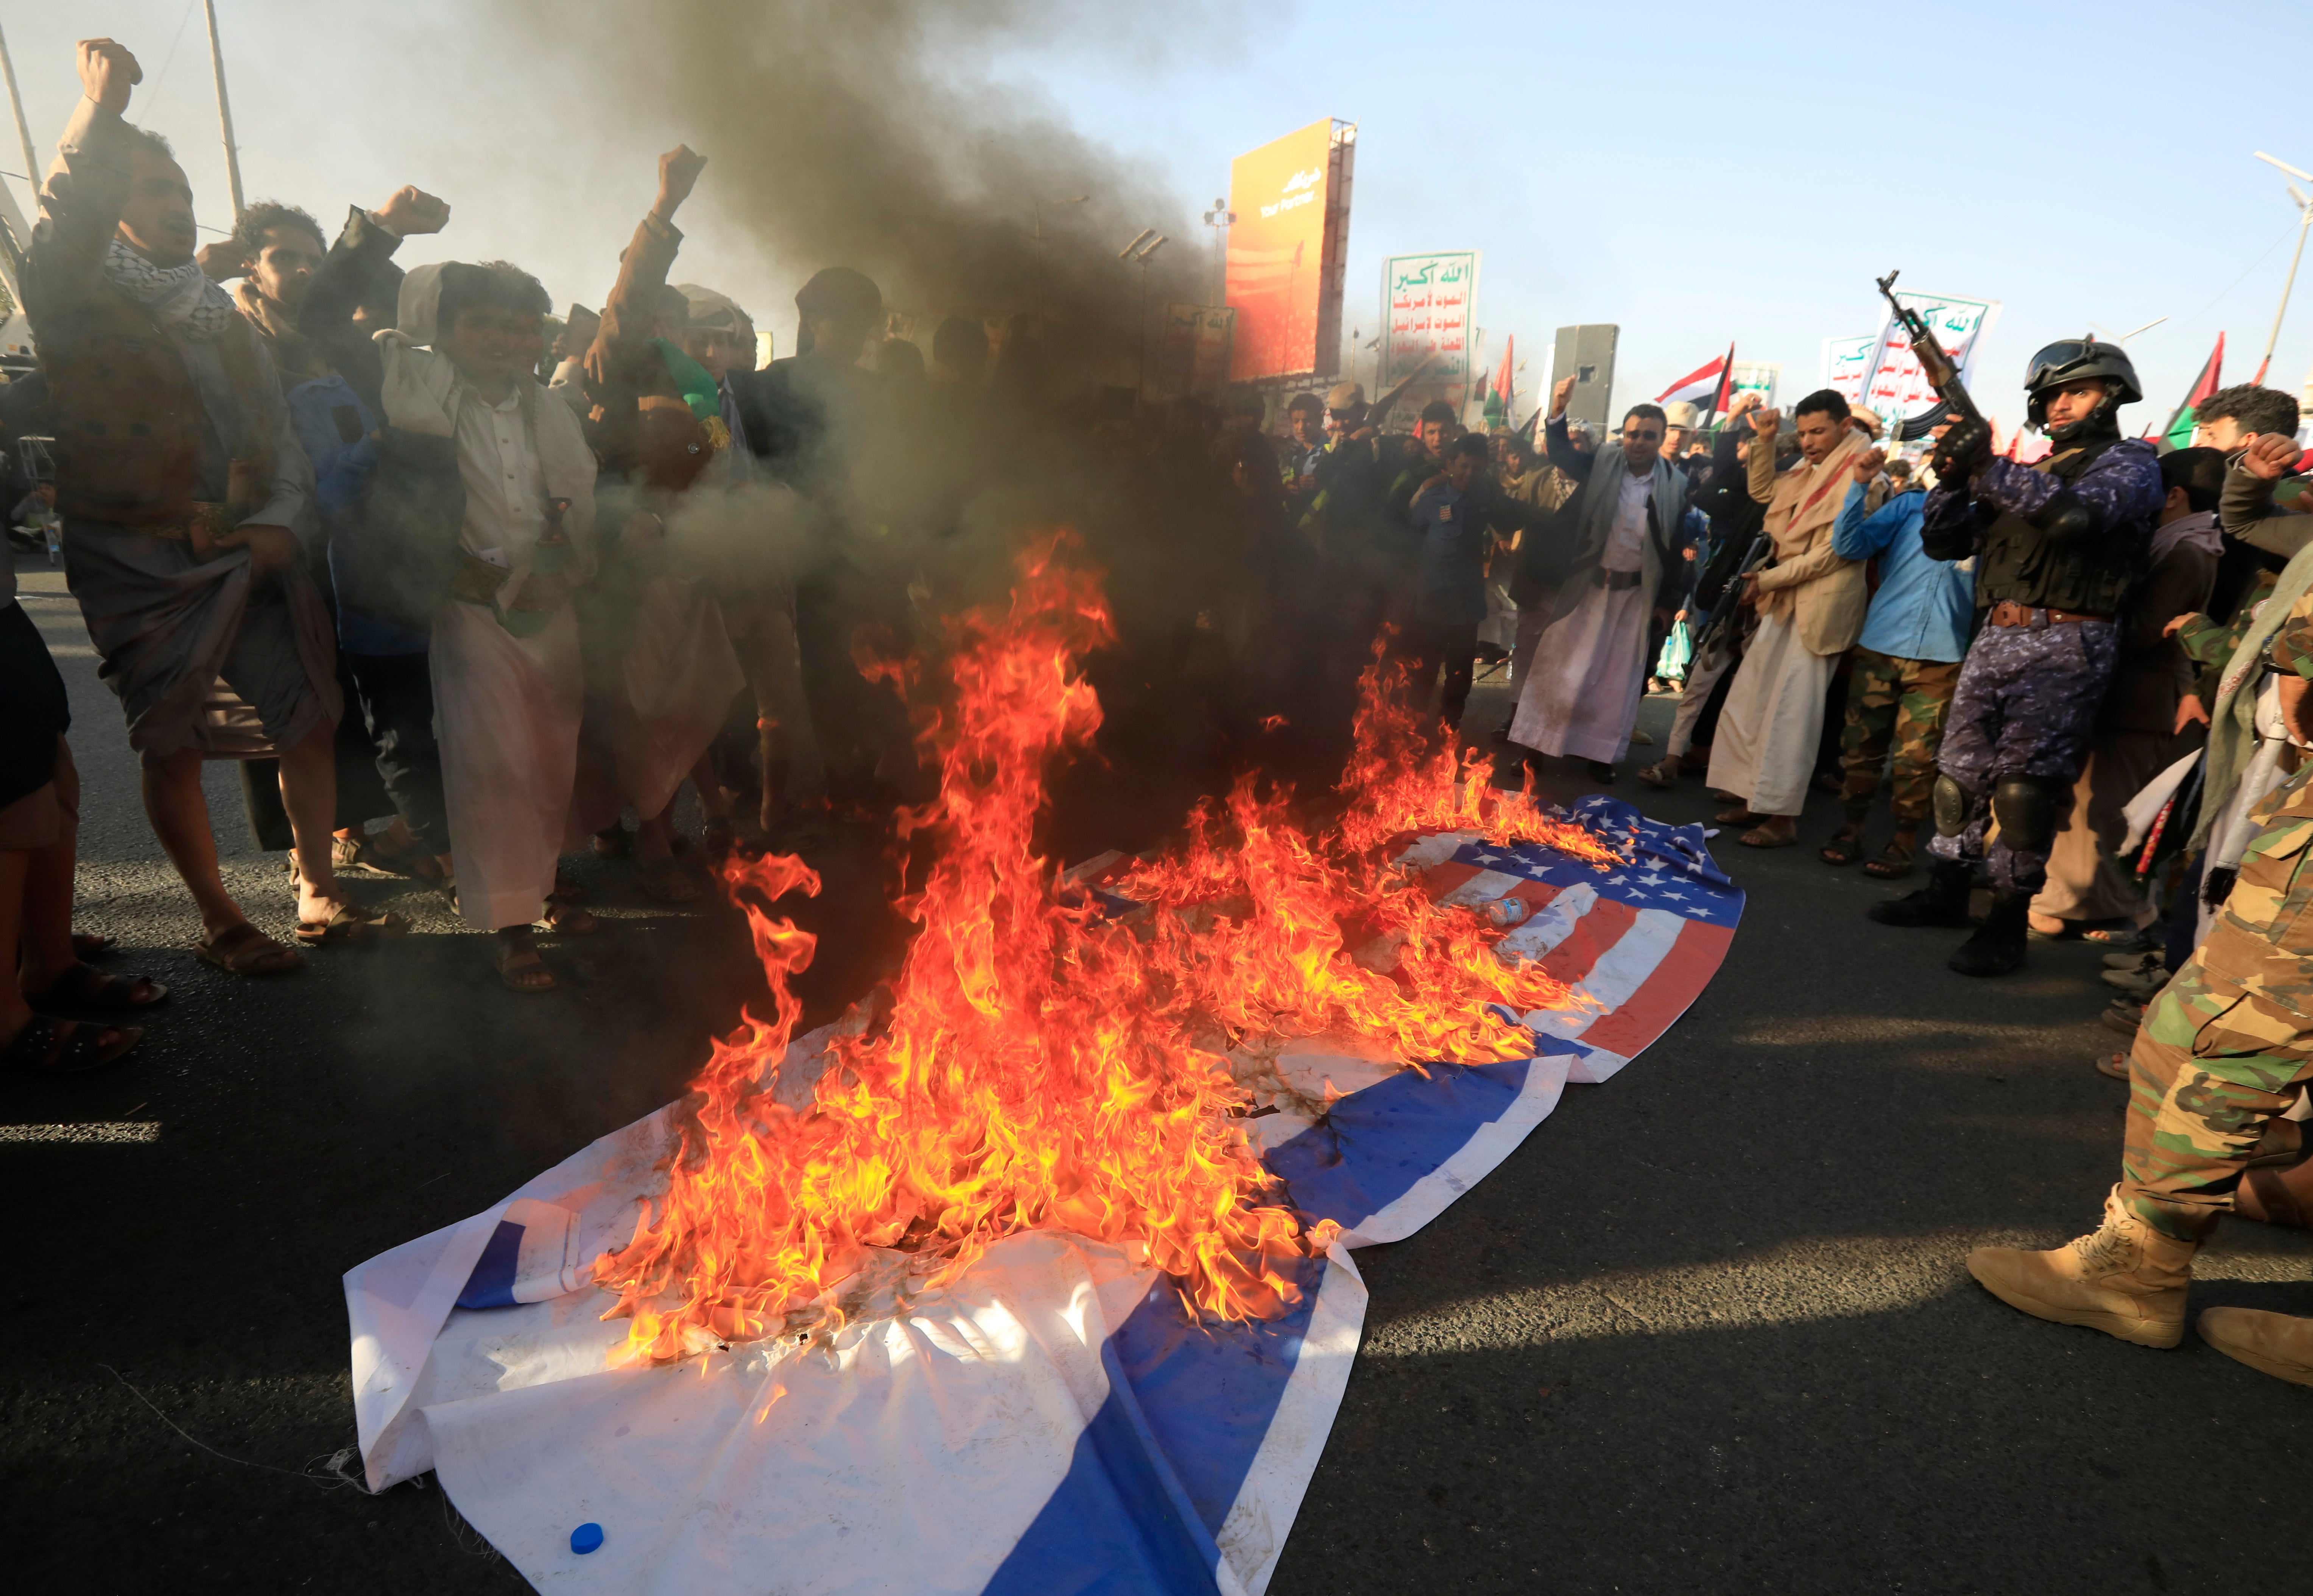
2057	544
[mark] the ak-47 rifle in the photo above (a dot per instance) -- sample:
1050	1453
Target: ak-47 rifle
1730	593
1940	367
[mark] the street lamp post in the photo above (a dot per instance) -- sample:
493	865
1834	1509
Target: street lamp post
1144	244
2304	221
1036	208
1220	219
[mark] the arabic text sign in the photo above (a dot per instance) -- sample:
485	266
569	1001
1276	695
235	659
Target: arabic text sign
1276	248
1197	347
1898	388
1428	305
1846	362
1756	376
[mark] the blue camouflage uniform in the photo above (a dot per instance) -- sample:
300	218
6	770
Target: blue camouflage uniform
2057	545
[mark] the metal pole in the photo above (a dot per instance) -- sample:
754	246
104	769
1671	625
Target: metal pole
16	104
224	112
2304	220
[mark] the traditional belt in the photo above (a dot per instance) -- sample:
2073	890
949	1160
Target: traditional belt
476	581
2010	613
202	527
1615	580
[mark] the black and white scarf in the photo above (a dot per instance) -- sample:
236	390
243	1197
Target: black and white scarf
181	298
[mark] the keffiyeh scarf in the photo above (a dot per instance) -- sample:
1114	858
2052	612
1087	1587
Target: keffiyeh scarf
181	298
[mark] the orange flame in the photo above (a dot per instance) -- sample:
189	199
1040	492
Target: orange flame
1040	1067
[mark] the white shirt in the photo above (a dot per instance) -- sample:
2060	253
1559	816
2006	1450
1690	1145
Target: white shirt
1626	542
505	485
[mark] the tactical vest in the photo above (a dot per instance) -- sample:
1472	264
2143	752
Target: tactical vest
2020	561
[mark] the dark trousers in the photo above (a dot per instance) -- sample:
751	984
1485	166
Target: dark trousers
395	692
1453	645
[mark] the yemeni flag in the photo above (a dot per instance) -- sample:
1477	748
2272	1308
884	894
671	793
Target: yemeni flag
1706	387
1506	378
2179	432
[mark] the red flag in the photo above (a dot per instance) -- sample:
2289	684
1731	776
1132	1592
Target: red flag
1704	382
1507	375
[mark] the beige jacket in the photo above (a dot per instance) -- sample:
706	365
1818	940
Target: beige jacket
1822	595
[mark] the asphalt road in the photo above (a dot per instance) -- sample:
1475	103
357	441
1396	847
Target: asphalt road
1707	1331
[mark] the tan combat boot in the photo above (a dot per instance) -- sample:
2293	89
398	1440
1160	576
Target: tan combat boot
2276	1342
2127	1280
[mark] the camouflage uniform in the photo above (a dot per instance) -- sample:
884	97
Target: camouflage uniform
1903	701
2026	700
2224	1046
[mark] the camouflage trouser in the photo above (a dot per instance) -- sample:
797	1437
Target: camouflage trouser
1902	701
2214	1061
2027	699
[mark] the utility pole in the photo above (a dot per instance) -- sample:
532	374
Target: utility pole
11	219
224	112
2304	221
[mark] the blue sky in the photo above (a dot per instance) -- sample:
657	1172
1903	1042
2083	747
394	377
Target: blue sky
1695	173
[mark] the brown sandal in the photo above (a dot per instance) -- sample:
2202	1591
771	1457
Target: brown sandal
350	922
48	1046
1737	816
1844	849
566	919
522	967
1759	836
1895	862
83	989
245	951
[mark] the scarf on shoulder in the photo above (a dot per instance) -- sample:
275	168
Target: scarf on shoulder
181	298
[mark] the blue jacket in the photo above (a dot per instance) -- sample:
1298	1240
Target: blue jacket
1451	589
1925	608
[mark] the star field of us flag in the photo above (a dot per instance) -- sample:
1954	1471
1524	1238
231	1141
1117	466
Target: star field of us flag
1053	1423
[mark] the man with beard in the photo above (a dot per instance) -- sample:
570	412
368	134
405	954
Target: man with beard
2057	545
1810	600
1580	697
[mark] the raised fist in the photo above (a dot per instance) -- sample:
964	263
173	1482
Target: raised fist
107	73
1766	423
678	171
412	211
222	261
2270	455
1560	392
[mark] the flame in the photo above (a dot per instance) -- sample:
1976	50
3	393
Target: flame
1043	1067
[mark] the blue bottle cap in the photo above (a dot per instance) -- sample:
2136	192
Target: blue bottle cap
586	1538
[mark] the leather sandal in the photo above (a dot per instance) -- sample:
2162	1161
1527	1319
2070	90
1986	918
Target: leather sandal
48	1046
1894	864
245	951
83	989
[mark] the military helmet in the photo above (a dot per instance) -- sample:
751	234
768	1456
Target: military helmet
2078	360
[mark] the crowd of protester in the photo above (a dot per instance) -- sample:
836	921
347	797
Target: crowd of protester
466	588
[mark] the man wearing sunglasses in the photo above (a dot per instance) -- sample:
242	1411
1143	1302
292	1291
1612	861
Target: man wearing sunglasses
2057	544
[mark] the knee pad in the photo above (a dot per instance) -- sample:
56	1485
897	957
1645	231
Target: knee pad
1950	804
2026	808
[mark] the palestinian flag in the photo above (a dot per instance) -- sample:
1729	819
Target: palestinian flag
1706	387
2179	432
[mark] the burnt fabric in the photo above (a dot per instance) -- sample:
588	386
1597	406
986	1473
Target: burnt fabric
2028	696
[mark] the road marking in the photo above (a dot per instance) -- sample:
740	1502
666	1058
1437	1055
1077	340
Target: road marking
116	1130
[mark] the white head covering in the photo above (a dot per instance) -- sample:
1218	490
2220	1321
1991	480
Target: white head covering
421	301
715	312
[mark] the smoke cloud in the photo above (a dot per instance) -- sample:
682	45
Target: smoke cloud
869	133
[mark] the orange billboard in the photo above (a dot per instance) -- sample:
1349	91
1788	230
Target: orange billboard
1288	249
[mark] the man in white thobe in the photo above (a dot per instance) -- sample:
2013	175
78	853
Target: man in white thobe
1580	697
508	688
1811	604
